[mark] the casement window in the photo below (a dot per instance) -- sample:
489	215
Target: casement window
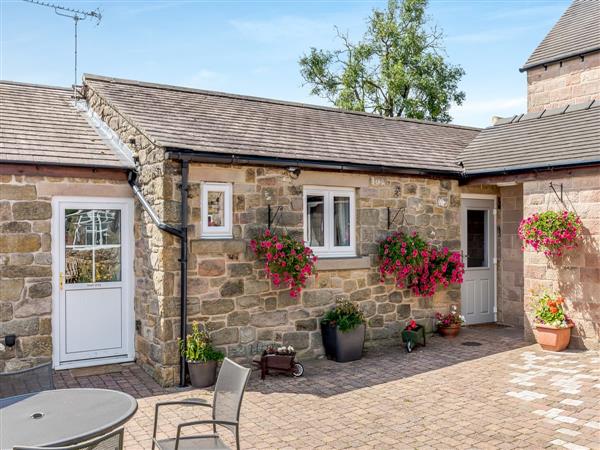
330	221
216	210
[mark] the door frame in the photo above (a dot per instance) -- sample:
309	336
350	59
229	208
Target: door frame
494	241
127	242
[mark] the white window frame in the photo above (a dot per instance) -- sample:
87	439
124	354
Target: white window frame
224	232
329	250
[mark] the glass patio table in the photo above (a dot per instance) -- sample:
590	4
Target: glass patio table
62	416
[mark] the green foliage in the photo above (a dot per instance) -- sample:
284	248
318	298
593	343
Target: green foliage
396	70
346	316
198	347
549	310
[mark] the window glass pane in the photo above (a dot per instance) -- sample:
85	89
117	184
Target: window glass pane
108	264
108	226
477	238
341	221
78	265
79	226
216	208
315	206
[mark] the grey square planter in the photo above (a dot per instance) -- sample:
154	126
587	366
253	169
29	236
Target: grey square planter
343	346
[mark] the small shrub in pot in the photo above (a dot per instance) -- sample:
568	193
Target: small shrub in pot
201	357
343	332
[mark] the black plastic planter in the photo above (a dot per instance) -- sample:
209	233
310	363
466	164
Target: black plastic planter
343	346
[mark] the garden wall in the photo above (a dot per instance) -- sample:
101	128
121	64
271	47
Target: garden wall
244	311
26	259
576	275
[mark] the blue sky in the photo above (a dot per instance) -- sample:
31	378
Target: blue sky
253	47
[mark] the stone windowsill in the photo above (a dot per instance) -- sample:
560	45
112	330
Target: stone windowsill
351	263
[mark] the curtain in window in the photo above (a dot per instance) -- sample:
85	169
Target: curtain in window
341	221
315	206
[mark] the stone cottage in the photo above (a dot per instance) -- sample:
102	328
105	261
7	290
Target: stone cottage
116	207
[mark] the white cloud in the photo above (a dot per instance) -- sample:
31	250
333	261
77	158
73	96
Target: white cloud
479	113
493	35
281	28
206	79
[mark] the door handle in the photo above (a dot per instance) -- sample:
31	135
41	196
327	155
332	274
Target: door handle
61	278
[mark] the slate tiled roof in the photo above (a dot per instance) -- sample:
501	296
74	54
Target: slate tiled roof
551	138
576	33
40	124
197	120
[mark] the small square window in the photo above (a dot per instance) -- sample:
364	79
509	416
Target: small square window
216	211
329	221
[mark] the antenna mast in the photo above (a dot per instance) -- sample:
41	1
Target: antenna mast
76	15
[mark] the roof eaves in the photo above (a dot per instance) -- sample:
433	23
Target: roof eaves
558	58
178	153
565	164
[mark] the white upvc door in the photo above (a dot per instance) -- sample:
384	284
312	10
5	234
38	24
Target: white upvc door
478	291
93	318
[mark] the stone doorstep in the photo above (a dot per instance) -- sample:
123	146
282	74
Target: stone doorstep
99	370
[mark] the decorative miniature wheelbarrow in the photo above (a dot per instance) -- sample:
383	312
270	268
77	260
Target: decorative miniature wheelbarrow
413	336
280	361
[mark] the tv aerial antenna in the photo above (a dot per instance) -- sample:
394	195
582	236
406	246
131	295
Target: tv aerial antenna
76	15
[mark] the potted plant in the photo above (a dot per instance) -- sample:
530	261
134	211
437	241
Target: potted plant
343	332
552	325
417	265
201	357
551	232
288	260
449	325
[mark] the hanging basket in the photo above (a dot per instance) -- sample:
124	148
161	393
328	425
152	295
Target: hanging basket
551	232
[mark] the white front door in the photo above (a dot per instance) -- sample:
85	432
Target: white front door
478	303
93	255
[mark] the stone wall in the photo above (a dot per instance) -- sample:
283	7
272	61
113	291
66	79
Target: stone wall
26	260
570	82
510	263
156	253
576	275
243	310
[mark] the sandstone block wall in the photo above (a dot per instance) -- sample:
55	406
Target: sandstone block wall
156	264
510	264
228	289
26	260
576	275
574	81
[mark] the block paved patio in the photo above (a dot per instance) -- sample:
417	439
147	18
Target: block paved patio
503	393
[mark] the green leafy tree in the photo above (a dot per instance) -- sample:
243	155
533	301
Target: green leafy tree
396	70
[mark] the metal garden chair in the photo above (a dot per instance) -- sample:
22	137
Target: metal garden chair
226	404
110	441
26	381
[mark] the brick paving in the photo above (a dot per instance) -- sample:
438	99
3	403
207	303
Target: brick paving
504	393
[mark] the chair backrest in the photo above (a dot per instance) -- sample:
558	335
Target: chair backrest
110	441
229	391
26	381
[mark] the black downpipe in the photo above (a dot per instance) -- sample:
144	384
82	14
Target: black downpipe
183	265
181	233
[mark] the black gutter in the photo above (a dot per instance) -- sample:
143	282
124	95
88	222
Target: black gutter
559	58
224	158
181	233
525	169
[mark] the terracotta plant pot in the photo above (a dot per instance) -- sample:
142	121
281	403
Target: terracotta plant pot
449	331
553	339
